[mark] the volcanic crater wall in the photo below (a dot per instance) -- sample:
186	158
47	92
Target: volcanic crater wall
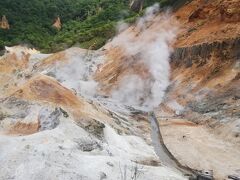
224	50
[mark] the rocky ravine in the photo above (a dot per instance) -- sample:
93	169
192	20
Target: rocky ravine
58	120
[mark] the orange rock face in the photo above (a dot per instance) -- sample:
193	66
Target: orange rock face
4	23
208	21
11	62
24	128
57	24
46	89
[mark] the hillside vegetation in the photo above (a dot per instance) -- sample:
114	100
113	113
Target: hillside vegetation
85	23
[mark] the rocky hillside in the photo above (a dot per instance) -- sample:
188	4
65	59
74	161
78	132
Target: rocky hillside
205	67
158	101
204	88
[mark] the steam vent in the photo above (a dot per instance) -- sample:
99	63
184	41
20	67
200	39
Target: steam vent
4	23
117	94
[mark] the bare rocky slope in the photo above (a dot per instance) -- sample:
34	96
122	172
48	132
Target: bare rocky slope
205	88
59	118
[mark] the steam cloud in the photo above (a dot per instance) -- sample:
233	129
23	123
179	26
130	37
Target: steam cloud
149	42
152	47
77	74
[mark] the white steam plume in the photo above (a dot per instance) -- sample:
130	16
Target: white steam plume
77	73
150	47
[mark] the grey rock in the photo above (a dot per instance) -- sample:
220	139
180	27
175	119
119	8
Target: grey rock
49	118
92	126
103	176
87	145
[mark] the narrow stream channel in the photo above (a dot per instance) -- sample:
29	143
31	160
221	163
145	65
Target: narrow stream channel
162	151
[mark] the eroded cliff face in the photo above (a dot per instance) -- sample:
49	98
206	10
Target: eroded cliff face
58	117
204	87
205	75
202	22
